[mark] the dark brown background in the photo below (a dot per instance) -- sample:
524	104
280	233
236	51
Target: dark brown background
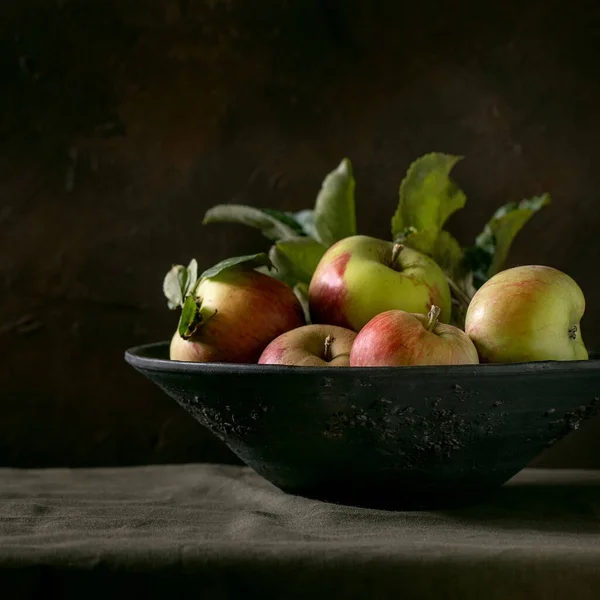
121	122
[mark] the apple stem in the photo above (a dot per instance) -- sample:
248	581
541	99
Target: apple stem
397	248
573	332
433	315
327	351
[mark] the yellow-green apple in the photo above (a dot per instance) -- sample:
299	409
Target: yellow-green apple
236	314
397	338
360	277
528	313
311	346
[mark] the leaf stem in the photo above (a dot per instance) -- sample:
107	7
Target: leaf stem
460	294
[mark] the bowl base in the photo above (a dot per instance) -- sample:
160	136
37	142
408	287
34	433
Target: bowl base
393	499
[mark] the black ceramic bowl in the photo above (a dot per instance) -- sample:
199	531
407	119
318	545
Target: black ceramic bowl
406	437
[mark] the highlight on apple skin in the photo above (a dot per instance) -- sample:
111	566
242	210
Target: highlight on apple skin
239	312
311	346
360	277
528	313
397	338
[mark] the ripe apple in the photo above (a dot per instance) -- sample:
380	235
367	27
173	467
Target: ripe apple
311	346
528	313
237	314
360	277
398	338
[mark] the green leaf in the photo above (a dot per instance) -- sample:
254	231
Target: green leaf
447	253
427	196
177	283
270	226
335	213
478	262
301	291
174	285
297	258
193	316
287	218
306	219
188	317
443	247
493	244
192	275
250	261
283	270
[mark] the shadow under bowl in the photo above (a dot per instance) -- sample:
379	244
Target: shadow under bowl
392	438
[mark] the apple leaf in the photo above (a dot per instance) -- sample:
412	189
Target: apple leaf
274	225
478	261
301	291
427	197
188	315
283	270
335	212
306	220
250	261
287	218
192	274
298	257
193	315
443	247
448	253
177	283
492	245
174	285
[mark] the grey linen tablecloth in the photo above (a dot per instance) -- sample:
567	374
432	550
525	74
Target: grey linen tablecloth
208	531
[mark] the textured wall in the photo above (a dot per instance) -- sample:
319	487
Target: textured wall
121	122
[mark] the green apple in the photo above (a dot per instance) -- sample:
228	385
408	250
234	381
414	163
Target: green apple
396	338
528	313
360	277
311	346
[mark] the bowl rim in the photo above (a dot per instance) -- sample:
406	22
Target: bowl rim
135	356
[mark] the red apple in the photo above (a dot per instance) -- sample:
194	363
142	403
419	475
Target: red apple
360	277
311	346
237	313
397	338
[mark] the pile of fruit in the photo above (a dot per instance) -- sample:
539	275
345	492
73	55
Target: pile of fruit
326	296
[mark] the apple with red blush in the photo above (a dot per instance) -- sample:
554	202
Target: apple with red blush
527	313
360	277
232	313
311	346
398	338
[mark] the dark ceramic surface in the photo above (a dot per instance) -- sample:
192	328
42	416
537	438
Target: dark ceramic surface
390	437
